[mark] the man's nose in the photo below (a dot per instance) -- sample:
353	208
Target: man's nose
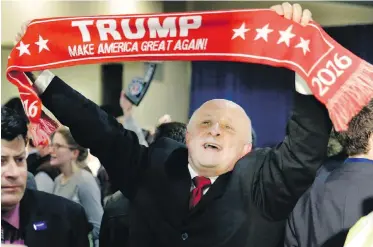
215	130
11	169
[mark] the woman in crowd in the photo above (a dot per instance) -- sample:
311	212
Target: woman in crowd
75	181
45	174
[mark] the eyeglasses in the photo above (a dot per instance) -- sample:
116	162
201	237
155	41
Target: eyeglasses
58	146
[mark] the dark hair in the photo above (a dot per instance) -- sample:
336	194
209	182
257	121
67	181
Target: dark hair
173	130
12	124
66	134
355	140
16	104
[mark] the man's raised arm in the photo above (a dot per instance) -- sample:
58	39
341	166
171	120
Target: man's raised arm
117	148
287	170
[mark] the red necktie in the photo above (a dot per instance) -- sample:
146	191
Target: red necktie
200	184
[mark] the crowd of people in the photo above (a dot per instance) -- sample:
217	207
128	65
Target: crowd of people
106	181
68	170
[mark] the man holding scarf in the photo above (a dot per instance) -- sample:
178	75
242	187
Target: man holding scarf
215	191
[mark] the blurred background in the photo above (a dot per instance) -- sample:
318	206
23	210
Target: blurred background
179	87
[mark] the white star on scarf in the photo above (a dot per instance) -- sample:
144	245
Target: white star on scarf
23	48
240	31
263	33
304	45
286	36
42	43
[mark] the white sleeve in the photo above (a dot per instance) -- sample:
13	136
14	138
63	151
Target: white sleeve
301	85
42	82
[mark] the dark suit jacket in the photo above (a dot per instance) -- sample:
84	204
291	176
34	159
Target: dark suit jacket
244	207
330	164
114	231
67	225
325	213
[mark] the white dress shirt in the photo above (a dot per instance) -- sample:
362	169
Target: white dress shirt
193	174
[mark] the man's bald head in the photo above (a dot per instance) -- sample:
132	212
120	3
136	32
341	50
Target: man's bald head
218	135
230	108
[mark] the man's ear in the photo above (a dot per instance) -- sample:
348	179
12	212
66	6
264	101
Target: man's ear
76	153
187	137
27	148
371	145
247	149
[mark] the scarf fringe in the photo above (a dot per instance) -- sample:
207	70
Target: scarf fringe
352	97
41	131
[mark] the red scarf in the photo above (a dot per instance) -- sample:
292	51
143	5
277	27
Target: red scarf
339	79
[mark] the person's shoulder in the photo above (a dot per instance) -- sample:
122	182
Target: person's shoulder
254	158
31	183
50	202
312	198
325	190
85	177
167	143
165	146
66	212
115	197
260	151
86	181
85	174
58	178
351	178
117	202
166	149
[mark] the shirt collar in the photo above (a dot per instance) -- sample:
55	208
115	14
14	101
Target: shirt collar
193	174
12	216
359	160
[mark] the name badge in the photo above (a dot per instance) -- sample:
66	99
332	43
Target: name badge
39	226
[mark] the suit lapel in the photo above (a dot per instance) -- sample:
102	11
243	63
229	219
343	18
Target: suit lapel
180	182
36	227
216	190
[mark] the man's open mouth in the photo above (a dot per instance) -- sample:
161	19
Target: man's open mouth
212	146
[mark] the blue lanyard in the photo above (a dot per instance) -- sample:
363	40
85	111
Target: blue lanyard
359	160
